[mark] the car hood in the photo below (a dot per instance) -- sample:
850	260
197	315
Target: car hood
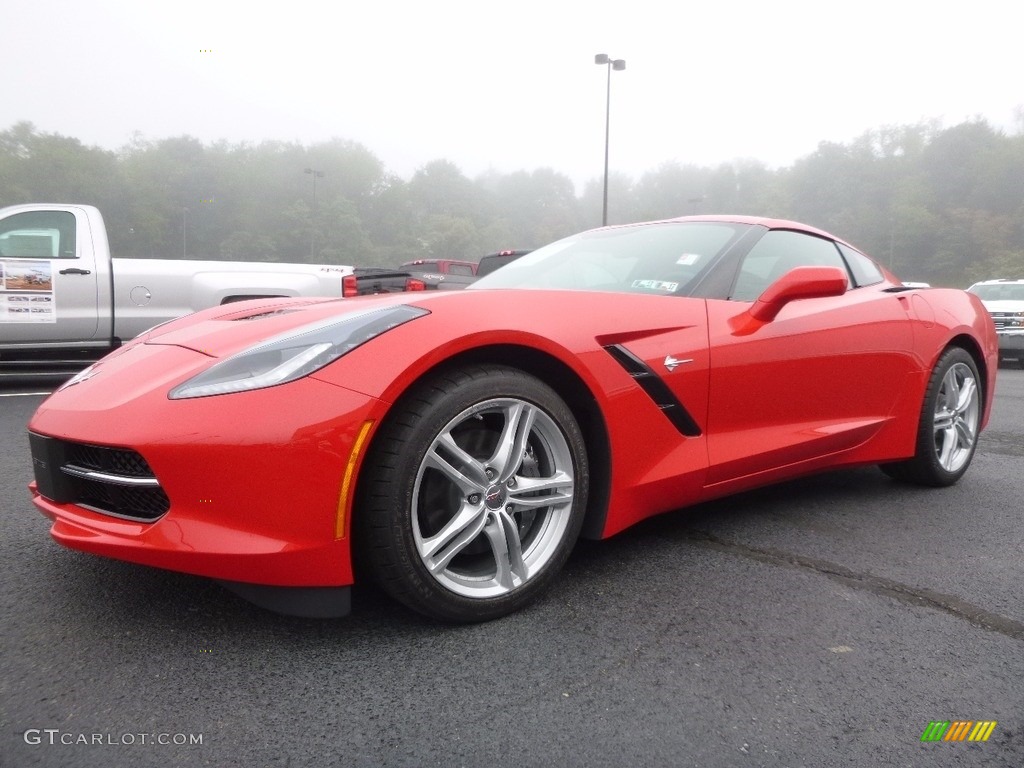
224	330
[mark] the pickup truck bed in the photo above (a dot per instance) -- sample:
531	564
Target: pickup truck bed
441	274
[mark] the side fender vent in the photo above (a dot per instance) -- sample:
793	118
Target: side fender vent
656	389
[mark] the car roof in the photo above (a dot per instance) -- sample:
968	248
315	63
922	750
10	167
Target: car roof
763	221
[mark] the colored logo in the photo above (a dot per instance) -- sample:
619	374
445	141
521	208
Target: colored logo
959	730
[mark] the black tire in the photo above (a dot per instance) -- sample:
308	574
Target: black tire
947	434
448	520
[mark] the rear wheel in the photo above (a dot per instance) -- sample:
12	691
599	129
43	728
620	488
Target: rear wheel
950	418
473	495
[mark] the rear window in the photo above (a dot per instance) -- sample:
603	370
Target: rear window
493	261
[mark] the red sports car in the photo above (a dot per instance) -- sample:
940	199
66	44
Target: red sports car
453	445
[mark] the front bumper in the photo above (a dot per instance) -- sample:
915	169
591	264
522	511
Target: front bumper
253	480
1011	344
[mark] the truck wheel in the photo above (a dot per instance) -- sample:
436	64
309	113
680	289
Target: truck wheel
473	494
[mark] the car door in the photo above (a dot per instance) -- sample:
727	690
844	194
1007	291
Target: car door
823	376
48	281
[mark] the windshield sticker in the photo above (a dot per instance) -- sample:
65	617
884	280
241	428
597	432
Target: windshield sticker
656	285
688	259
26	292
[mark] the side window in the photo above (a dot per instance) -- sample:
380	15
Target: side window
460	269
775	254
38	235
865	271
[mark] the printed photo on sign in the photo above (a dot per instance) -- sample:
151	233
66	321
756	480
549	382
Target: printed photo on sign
28	276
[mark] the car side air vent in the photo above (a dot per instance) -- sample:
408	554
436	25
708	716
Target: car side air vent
261	315
656	389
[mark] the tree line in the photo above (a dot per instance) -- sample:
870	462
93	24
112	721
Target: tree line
942	205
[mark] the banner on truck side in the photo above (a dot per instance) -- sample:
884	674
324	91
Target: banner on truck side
26	292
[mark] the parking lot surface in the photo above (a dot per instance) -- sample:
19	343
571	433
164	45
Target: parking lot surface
823	622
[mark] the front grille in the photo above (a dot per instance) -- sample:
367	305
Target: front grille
116	461
114	481
1004	320
146	504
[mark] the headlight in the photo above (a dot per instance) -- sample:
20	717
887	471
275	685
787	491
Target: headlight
294	354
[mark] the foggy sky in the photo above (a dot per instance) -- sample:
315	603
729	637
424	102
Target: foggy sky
510	86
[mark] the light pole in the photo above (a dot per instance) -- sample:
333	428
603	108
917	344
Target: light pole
312	230
617	64
184	233
892	238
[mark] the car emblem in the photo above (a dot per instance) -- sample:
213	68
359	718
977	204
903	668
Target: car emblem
494	497
671	362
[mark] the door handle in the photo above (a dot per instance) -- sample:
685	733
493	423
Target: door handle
75	271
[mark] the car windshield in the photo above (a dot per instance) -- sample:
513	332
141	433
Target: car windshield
660	258
999	291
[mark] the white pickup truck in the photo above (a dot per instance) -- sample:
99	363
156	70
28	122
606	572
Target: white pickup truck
1004	300
64	300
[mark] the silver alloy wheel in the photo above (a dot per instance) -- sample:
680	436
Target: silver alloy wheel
956	417
493	498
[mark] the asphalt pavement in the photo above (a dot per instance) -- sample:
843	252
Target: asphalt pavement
823	622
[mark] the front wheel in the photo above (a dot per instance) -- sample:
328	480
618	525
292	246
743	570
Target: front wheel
950	419
474	494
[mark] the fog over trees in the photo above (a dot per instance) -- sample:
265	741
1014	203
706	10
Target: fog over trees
943	205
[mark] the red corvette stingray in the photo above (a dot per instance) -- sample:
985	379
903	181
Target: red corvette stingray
455	444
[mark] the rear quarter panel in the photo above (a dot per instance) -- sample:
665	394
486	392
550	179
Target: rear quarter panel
943	316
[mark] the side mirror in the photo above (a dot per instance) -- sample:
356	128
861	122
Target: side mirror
798	283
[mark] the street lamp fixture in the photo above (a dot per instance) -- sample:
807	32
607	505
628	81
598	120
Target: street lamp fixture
312	229
618	65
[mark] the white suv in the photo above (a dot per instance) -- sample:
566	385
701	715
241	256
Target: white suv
1004	300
